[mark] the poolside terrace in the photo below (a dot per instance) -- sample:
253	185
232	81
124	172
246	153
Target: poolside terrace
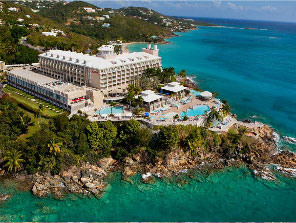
171	109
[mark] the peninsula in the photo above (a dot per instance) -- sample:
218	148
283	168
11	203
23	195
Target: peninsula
73	118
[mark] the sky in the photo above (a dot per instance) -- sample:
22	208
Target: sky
252	9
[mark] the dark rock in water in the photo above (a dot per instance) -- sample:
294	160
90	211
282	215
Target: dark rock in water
149	180
4	197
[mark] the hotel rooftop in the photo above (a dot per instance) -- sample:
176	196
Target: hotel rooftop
98	62
174	87
41	80
150	96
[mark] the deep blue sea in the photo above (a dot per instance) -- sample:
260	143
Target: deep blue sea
254	69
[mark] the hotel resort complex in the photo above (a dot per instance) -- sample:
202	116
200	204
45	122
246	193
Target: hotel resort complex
94	84
106	71
63	95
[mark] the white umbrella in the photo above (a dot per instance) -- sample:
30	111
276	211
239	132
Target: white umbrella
104	115
129	114
206	94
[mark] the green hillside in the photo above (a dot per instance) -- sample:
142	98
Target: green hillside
123	27
22	28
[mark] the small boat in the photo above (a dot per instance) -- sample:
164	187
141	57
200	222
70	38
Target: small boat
289	139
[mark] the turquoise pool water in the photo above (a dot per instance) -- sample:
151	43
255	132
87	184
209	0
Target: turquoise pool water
195	93
198	110
110	110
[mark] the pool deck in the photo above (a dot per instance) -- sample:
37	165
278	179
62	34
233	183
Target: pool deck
184	107
165	117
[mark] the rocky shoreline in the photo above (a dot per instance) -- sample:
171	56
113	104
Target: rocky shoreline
91	180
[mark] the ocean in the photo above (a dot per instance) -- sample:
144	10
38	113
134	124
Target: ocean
254	69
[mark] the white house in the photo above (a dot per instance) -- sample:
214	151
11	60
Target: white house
20	20
107	16
98	18
49	34
28	16
89	10
53	32
106	25
13	9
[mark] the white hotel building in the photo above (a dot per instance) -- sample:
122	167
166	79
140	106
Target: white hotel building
64	95
107	71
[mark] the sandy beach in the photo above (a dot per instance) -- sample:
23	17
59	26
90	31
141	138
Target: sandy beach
125	45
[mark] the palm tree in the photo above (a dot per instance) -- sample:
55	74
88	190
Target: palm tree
41	107
113	103
55	147
225	108
176	117
129	98
214	115
139	101
182	73
131	88
13	160
137	90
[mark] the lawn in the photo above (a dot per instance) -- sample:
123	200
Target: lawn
36	123
31	101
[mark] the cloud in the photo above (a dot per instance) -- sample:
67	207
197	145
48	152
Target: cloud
217	3
268	8
235	6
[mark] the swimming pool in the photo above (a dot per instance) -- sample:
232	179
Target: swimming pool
195	93
198	110
115	110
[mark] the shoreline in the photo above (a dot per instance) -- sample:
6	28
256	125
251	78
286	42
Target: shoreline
125	45
90	179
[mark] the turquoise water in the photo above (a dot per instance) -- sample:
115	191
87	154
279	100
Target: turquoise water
195	93
233	195
198	110
109	110
255	70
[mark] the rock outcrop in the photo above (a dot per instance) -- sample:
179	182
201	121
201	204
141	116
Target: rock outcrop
88	179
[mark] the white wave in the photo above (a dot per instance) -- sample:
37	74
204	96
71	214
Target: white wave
289	139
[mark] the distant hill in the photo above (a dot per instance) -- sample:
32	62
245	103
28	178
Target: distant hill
103	24
79	25
172	23
21	27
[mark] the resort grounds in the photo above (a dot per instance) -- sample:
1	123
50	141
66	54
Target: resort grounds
170	113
